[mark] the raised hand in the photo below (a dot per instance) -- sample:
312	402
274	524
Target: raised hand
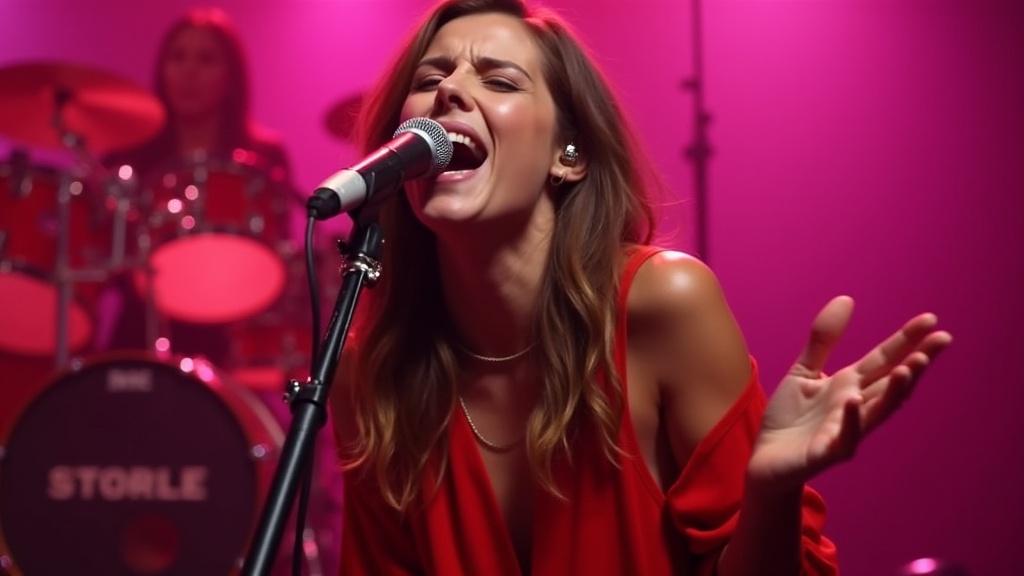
813	420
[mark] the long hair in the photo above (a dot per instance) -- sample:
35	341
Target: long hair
406	364
235	129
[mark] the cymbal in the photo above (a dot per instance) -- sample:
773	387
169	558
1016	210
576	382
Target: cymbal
108	111
340	119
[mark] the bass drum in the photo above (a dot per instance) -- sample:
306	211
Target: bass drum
131	466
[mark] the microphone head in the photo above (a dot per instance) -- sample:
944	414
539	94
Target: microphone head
436	136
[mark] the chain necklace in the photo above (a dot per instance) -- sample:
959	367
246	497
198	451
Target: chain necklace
487	443
493	359
483	358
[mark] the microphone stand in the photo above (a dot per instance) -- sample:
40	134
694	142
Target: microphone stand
309	400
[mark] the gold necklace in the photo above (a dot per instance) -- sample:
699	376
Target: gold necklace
493	446
483	358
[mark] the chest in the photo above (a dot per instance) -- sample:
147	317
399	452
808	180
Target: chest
512	486
501	419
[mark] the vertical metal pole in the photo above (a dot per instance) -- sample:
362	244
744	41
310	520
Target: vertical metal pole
699	151
63	271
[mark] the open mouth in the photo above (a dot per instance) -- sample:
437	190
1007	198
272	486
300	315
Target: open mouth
467	154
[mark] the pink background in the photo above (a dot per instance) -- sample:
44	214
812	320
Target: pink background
867	147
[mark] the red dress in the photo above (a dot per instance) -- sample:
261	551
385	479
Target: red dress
614	520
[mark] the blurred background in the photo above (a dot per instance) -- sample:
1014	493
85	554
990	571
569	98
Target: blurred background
865	147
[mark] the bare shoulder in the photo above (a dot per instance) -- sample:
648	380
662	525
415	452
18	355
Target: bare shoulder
676	292
673	282
682	328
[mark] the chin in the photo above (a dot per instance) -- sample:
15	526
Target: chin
191	108
445	212
448	200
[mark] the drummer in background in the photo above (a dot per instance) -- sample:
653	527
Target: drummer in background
202	79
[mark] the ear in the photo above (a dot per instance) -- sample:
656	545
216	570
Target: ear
563	169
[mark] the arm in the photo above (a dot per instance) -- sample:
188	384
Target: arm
811	422
702	368
814	421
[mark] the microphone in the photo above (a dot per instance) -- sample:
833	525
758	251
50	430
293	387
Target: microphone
420	148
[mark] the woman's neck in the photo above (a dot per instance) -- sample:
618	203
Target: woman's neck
199	134
492	290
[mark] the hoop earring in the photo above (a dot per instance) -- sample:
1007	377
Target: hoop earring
557	180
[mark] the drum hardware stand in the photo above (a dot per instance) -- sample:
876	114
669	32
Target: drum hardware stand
153	320
65	282
121	187
65	275
200	178
309	399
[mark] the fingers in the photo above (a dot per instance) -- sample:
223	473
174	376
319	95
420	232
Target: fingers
935	343
885	395
850	431
840	437
892	351
891	371
827	328
910	368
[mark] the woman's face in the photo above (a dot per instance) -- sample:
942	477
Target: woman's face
195	74
482	79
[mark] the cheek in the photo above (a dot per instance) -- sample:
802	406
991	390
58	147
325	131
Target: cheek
528	134
416	105
171	76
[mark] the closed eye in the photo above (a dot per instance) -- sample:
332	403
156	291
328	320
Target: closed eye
426	83
501	84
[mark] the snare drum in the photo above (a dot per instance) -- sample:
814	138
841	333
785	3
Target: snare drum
132	466
217	231
28	253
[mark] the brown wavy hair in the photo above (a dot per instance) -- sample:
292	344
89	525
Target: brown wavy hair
404	360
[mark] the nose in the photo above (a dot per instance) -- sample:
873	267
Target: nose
451	94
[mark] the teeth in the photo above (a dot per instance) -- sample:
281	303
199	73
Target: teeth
462	139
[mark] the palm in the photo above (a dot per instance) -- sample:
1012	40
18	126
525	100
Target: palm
813	421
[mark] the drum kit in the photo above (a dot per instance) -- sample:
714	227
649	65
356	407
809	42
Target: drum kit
135	462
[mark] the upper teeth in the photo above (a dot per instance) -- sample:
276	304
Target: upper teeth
462	139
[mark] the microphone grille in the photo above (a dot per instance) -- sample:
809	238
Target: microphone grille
436	135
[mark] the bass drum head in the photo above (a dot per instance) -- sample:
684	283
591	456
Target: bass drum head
132	466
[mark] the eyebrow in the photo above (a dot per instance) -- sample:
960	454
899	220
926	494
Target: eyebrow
482	62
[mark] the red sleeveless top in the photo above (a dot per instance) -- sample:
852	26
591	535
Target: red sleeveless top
613	520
